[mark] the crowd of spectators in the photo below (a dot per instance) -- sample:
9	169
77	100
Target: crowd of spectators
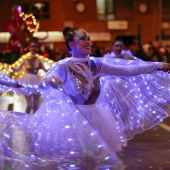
44	50
150	51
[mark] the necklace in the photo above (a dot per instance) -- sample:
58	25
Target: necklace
86	59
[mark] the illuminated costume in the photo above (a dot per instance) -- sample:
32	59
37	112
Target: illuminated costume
125	54
30	74
146	94
73	129
23	76
28	71
8	84
134	94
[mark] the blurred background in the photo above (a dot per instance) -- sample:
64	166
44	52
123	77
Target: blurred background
140	22
144	26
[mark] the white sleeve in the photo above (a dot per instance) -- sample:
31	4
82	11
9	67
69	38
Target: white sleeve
5	80
54	77
130	70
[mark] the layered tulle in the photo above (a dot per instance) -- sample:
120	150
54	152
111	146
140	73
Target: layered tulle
102	120
137	102
62	135
57	136
8	84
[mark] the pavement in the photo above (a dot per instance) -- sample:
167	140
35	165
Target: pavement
149	150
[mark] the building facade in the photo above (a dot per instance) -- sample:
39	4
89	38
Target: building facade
147	19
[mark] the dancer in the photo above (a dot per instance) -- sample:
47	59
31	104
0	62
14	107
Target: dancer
121	93
71	130
28	70
28	67
118	52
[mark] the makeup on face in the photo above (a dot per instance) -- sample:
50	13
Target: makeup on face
83	37
82	43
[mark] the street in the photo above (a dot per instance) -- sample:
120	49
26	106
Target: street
149	150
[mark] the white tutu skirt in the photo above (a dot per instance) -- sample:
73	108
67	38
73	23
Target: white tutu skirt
57	136
102	120
33	79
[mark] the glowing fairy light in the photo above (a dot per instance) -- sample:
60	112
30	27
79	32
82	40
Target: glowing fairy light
8	71
107	158
72	152
92	134
70	139
85	122
6	135
30	21
67	127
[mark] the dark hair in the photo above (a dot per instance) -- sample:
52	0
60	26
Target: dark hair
69	34
118	38
32	40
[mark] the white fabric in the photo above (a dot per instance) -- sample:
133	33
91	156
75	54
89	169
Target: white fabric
72	129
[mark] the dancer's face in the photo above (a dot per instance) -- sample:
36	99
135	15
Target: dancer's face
117	47
81	45
33	47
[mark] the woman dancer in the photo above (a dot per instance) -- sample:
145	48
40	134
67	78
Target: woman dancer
28	71
130	94
118	52
70	130
28	66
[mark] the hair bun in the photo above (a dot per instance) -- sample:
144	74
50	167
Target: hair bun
66	30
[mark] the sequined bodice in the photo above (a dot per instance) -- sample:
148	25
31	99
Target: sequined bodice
82	82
